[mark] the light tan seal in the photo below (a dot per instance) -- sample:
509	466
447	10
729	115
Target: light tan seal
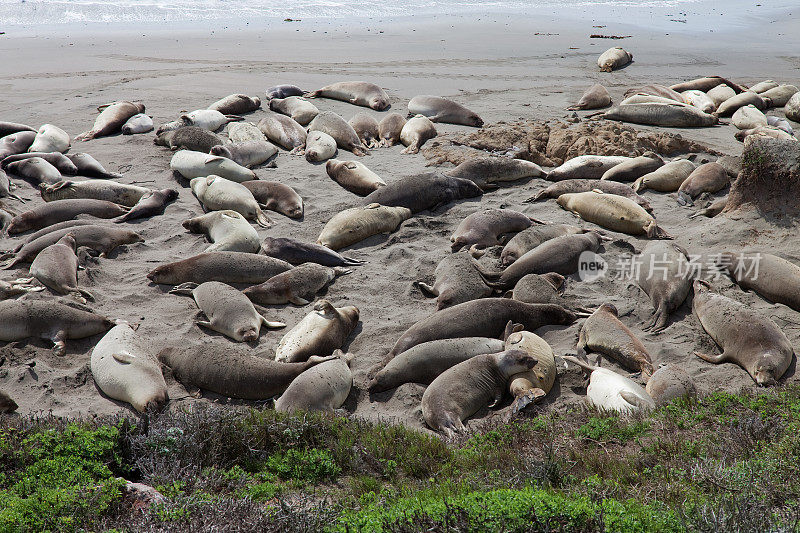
301	110
319	146
614	58
595	97
605	334
389	128
667	178
534	384
236	104
344	134
111	119
353	176
322	388
613	212
710	178
439	109
56	267
320	332
227	230
539	288
416	131
50	138
283	131
217	194
358	223
277	197
367	129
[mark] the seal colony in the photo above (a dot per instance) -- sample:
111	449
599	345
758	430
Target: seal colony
508	303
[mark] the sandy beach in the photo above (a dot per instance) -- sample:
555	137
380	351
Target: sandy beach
503	68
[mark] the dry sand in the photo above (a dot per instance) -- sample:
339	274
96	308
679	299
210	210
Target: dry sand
500	69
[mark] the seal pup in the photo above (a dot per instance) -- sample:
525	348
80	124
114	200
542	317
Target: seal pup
353	176
301	110
46	319
16	143
585	167
297	253
663	274
248	154
225	267
277	197
668	115
366	127
425	191
17	287
614	58
460	391
613	212
8	128
667	178
64	165
236	104
56	267
320	332
344	134
91	168
227	230
416	132
633	169
111	119
729	106
536	383
457	281
669	383
779	96
139	123
700	100
609	391
209	119
528	239
489	172
240	132
605	334
284	91
36	171
483	229
584	185
191	164
60	210
234	375
283	131
298	286
720	94
595	97
539	288
355	92
50	138
126	371
151	203
766	131
358	223
710	178
7	405
319	146
217	193
322	388
108	190
191	138
229	312
439	109
746	337
748	117
770	276
424	362
390	127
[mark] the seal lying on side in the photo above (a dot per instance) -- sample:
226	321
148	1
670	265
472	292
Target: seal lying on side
283	131
712	209
609	391
585	185
747	338
358	223
236	104
111	119
16	143
634	169
705	84
320	332
227	230
353	176
772	277
208	118
439	109
604	333
108	190
298	286
217	193
729	106
667	178
667	115
489	172
125	370
595	97
613	212
226	267
239	132
585	167
457	281
700	100
390	127
17	287
614	58
139	123
35	170
8	128
297	252
191	138
233	375
356	92
301	110
427	191
670	382
483	229
528	239
229	312
323	388
60	210
344	134
151	203
284	91
91	168
276	197
248	154
416	132
62	163
663	274
459	392
710	177
56	267
191	164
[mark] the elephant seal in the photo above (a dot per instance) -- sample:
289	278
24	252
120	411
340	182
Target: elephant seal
710	178
344	134
297	253
5	191
669	383
234	375
248	154
298	286
208	118
9	128
779	96
748	117
91	168
426	191
284	91
46	319
366	127
720	94
605	334
539	288
227	230
585	167
439	109
36	171
277	197
667	178
772	277
240	132
236	104
595	97
323	387
64	165
533	384
489	172
17	287
319	146
60	210
355	92
301	110
651	99
656	90
486	317
777	122
483	229
457	281
729	106
763	86
358	223
585	185
668	115
191	164
705	84
613	212
663	273
460	391
16	143
7	405
191	138
108	190
102	239
229	312
353	176
415	133
560	255
700	100
50	138
765	131
217	193
747	338
151	203
320	332
56	267
55	227
390	127
633	169
528	239
125	370
614	58
139	123
110	120
424	362
170	126
225	267
609	391
712	209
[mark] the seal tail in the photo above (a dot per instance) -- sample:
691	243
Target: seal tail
263	220
349	261
9	260
184	289
234	118
575	361
312	94
426	290
86	294
541	195
341	271
86	136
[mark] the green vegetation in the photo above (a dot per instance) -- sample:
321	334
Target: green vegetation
721	463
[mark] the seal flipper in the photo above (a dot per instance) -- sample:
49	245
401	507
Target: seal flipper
716	359
270	324
184	289
634	400
525	399
427	290
60	342
296	300
123	357
263	220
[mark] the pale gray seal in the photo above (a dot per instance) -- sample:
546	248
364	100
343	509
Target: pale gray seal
668	115
344	134
217	193
319	146
111	119
277	197
227	230
96	189
609	391
634	169
50	138
209	119
324	387
248	154
36	171
89	166
63	163
356	92
614	58
16	143
595	97
439	109
320	332
585	167
353	176
140	123
300	109
192	164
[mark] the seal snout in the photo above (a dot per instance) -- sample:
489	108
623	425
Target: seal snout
249	335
